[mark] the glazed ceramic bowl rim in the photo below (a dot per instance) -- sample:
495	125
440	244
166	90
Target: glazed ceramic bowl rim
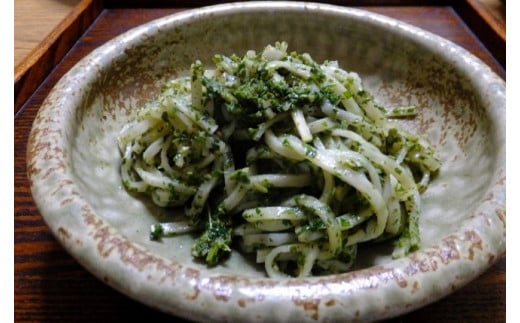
259	294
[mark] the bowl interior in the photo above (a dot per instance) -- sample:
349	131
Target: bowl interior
396	68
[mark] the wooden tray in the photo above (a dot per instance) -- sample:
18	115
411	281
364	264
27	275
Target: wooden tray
51	286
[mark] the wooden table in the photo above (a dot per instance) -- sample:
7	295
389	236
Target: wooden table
51	286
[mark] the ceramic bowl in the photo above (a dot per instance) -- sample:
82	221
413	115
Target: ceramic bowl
73	164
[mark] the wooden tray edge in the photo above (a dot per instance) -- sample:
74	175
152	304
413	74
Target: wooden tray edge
31	71
490	31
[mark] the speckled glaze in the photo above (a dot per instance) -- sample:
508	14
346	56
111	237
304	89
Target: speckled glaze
73	164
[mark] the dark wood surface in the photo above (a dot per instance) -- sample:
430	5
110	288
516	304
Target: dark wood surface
50	286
